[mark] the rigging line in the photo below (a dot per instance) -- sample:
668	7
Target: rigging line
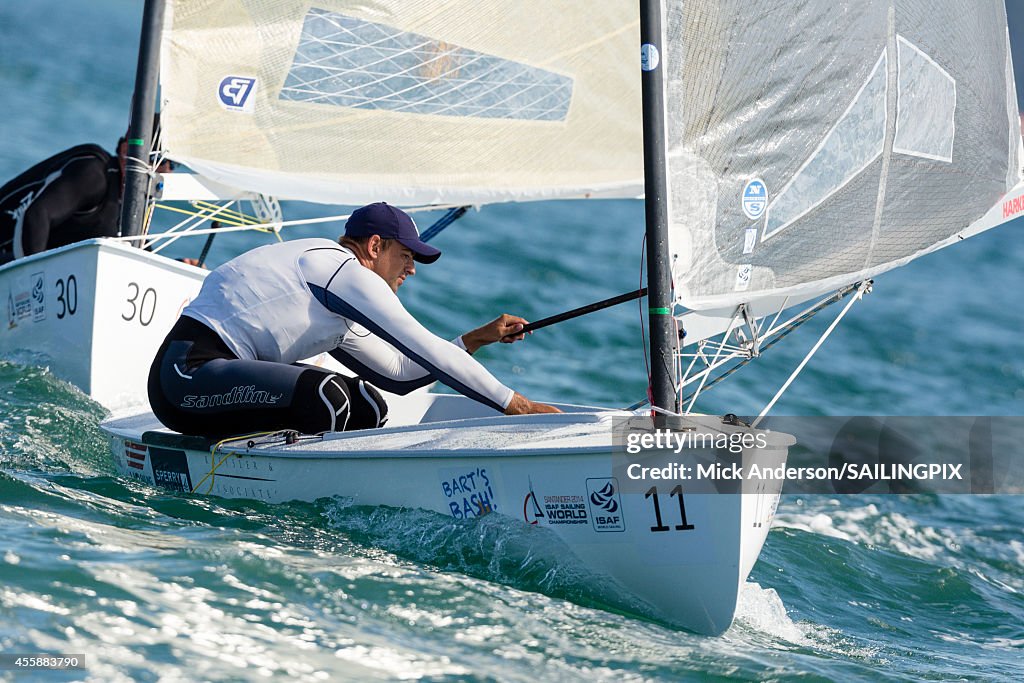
213	467
640	308
185	233
263	226
864	286
183	228
791	326
238	215
205	213
443	222
779	336
700	387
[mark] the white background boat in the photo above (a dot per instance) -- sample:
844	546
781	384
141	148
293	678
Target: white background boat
94	313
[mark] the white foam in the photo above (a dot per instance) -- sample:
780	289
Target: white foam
868	525
761	609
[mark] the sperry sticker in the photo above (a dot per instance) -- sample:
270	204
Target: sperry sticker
170	469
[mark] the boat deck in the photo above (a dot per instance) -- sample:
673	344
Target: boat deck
453	430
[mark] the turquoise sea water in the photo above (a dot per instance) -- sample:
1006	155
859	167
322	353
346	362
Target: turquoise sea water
154	586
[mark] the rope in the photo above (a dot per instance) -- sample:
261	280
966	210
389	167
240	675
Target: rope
258	226
214	465
856	297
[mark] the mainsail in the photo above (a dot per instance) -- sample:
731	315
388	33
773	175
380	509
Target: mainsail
412	102
811	147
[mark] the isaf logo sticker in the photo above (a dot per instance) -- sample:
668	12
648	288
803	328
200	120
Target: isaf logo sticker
236	93
38	297
743	273
605	504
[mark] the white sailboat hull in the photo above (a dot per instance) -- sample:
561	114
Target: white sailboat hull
95	313
558	473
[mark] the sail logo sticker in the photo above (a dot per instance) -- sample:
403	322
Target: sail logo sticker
755	199
605	505
1012	207
236	93
749	239
649	57
743	277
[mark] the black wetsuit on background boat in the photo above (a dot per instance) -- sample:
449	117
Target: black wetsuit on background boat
72	196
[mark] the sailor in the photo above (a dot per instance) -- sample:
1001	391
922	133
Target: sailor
230	365
72	196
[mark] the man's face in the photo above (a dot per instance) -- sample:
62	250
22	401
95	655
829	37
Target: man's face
394	263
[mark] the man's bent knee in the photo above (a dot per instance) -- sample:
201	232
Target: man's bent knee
338	403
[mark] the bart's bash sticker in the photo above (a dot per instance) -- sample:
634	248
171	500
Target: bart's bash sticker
468	492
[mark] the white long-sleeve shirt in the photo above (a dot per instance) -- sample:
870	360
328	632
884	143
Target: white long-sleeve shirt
293	300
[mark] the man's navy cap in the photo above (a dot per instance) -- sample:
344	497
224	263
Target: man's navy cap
392	223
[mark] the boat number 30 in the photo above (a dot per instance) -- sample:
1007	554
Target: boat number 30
141	304
67	296
652	494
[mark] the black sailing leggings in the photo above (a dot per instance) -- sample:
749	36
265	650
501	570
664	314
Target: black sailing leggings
198	386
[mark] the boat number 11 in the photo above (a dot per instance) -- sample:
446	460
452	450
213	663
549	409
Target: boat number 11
142	307
652	493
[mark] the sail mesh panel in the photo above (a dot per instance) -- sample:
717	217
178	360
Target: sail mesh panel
349	62
784	94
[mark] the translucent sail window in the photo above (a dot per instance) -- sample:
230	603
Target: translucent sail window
926	103
848	148
349	62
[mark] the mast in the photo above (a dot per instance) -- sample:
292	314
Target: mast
140	127
661	324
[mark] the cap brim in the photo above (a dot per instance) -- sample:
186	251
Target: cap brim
422	252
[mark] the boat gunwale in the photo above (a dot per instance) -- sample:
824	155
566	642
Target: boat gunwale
318	447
